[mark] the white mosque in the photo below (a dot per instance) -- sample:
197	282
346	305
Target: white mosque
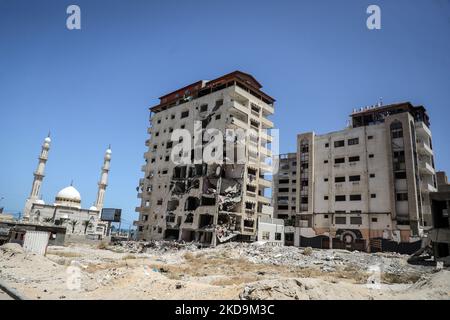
66	210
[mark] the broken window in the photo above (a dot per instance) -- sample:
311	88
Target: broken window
179	172
160	202
208	201
249	223
184	114
278	236
172	204
189	218
170	218
339	143
191	203
205	220
203	108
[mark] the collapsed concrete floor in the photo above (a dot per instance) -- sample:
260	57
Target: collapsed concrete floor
164	270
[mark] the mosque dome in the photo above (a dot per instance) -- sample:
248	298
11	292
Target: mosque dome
48	140
93	208
69	197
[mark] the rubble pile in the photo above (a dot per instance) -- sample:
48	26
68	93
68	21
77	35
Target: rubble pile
326	260
154	245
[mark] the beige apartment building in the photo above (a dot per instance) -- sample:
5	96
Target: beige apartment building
209	201
365	187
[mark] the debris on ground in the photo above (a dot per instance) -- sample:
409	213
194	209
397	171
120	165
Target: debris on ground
249	271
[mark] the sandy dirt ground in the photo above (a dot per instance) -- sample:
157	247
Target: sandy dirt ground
230	271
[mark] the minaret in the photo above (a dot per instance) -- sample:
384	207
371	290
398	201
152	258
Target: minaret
38	178
103	183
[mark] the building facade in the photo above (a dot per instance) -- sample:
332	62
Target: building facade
367	185
188	196
285	193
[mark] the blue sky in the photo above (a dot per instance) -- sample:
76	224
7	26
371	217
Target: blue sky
93	86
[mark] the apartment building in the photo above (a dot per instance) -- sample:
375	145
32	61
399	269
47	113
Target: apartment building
209	201
285	192
366	187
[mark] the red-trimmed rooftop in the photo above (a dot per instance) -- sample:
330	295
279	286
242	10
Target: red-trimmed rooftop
201	88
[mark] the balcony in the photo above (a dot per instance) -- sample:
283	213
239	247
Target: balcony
239	123
424	148
266	123
422	129
266	152
264	136
426	187
267	109
239	107
426	168
265	183
264	199
265	167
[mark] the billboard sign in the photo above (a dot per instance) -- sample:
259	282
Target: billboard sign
111	214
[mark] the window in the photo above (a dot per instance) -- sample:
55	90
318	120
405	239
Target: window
169	144
355	197
402	197
339	179
170	129
325	161
277	235
373	195
283	207
325	197
396	130
159	121
372	175
354	178
184	114
400	175
325	216
167	158
283	189
172	116
327	145
355	220
339	160
339	143
353	159
265	235
218	117
203	108
339	198
160	202
325	179
340	220
353	141
369	137
374	219
183	126
371	155
156	133
218	103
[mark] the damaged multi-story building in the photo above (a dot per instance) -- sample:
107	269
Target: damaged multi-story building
185	197
365	187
